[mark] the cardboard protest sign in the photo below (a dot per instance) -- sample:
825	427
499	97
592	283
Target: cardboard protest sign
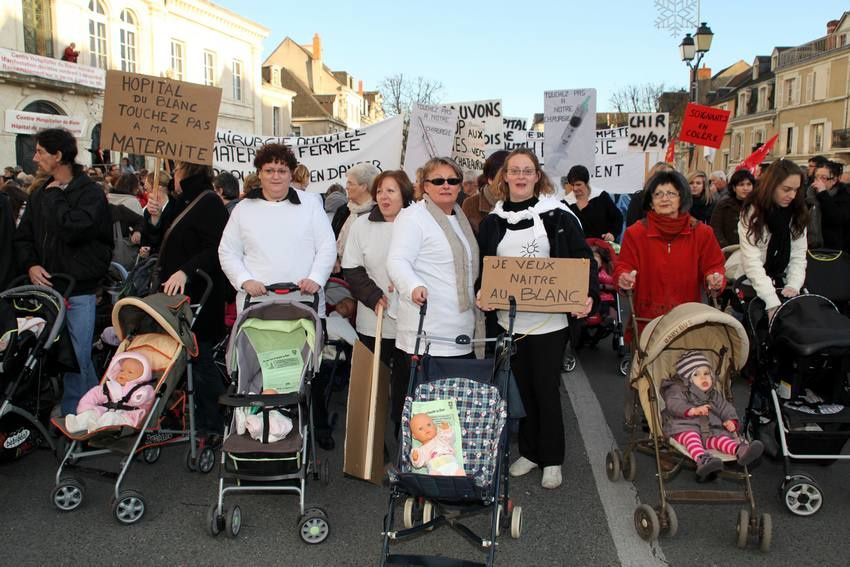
327	157
649	131
570	125
547	285
469	149
368	397
155	116
704	125
431	134
617	169
486	112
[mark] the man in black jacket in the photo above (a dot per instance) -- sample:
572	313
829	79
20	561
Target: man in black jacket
66	228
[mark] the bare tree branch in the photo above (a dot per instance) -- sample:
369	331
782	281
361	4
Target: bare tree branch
637	98
401	92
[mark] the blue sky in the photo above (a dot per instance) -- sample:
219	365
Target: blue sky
515	50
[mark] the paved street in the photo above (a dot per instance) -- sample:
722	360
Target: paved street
587	522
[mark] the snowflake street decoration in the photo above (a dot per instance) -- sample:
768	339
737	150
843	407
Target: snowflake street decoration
677	15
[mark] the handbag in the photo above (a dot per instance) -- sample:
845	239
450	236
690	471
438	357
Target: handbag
124	251
156	276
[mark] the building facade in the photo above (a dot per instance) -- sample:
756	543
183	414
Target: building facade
188	40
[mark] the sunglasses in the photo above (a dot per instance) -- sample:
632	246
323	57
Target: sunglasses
441	181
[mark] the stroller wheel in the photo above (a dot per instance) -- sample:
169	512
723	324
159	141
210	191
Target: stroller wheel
151	454
765	533
214	520
569	363
314	527
325	472
190	462
411	512
516	522
233	521
427	513
802	495
613	465
629	466
646	523
500	517
625	364
68	494
671	520
743	528
206	460
129	507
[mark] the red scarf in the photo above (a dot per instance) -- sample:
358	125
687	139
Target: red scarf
669	227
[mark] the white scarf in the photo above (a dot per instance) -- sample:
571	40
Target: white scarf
544	205
355	211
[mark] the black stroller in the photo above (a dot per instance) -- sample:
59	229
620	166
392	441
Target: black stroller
430	502
800	401
32	357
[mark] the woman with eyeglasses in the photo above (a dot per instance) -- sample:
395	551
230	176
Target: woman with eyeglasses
433	257
669	256
772	233
529	221
599	216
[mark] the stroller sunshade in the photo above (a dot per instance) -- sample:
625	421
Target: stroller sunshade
275	354
810	324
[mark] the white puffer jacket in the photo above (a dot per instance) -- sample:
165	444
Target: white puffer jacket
754	254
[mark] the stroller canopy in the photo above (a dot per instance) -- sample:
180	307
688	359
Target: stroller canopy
809	324
158	313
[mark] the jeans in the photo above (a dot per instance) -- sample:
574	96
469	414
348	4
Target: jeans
79	319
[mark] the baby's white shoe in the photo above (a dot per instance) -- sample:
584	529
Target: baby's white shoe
239	420
522	466
551	477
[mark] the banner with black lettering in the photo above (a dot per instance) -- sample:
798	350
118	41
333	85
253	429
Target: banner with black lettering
327	157
617	169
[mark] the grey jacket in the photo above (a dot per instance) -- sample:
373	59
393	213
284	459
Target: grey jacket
680	397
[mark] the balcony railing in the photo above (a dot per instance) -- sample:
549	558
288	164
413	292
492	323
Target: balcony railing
809	50
841	138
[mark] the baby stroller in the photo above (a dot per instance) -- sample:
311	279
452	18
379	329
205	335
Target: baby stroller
690	326
801	394
275	344
34	350
828	274
606	321
480	390
158	327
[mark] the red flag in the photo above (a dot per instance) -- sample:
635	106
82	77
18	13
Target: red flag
754	159
670	151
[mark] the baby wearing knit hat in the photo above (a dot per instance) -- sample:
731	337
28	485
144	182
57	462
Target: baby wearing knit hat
699	417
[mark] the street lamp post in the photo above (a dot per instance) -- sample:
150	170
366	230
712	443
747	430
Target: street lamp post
692	50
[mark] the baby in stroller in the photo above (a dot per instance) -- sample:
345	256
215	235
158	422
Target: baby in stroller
607	301
698	417
124	398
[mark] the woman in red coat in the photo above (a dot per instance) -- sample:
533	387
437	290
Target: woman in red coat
668	257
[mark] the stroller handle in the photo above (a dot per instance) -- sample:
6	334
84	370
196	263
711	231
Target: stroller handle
208	287
24	279
285	288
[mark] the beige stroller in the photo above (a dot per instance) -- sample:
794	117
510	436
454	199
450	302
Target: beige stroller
691	326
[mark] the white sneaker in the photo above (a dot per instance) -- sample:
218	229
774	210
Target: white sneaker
551	477
522	466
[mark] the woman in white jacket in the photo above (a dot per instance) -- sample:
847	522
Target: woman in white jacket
772	233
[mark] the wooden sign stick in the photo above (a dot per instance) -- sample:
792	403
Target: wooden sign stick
376	368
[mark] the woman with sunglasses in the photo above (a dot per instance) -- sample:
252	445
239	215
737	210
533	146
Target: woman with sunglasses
433	257
667	257
529	221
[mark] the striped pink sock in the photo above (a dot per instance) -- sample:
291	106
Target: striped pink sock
722	443
692	442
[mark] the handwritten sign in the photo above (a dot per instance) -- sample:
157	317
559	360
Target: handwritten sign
649	131
704	125
328	157
487	113
470	147
431	134
570	125
543	285
155	116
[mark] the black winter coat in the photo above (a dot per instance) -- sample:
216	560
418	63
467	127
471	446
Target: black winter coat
7	234
192	244
835	218
67	231
724	220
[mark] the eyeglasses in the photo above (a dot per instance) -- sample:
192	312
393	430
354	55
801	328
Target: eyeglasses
442	181
275	171
661	195
516	172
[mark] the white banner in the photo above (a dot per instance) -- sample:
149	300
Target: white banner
649	131
617	169
430	134
570	125
327	157
489	112
515	131
20	122
52	69
470	148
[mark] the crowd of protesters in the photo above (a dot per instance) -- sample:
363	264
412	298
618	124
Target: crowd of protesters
400	242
